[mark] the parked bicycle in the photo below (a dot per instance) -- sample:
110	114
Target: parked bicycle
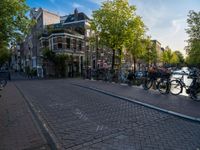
122	77
158	79
3	83
136	78
177	85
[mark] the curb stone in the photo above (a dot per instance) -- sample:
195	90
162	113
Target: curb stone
142	104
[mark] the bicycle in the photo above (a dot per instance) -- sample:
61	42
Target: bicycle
161	82
193	90
122	77
3	83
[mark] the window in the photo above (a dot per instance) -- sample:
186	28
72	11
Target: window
59	39
59	45
68	43
80	45
74	44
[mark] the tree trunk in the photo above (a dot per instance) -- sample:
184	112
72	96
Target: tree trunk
134	62
120	58
113	60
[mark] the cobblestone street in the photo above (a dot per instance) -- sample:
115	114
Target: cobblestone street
84	119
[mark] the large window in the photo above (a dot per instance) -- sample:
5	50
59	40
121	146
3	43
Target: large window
68	43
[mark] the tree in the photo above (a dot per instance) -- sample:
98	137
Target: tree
175	59
172	58
193	31
13	20
167	56
48	55
151	54
60	64
136	43
13	23
111	23
59	61
194	53
180	57
4	56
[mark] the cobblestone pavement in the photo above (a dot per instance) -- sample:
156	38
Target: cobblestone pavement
85	119
180	104
18	131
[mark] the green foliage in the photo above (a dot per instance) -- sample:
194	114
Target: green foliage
172	58
59	60
193	31
60	64
150	52
167	56
13	20
135	42
175	59
153	54
4	56
48	55
180	57
113	23
194	53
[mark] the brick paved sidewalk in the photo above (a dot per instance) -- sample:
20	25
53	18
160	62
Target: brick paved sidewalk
180	104
18	129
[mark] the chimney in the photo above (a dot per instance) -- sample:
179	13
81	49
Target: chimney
76	13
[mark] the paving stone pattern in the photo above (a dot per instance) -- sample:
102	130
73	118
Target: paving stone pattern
85	119
180	104
17	128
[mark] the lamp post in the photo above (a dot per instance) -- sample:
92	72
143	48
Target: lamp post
97	48
97	55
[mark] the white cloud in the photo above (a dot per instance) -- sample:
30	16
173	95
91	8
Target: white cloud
76	5
177	25
98	2
164	24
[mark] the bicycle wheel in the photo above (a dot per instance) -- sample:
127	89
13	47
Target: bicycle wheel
176	87
195	94
147	83
137	81
163	86
3	83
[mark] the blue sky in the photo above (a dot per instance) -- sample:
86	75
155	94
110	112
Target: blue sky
165	19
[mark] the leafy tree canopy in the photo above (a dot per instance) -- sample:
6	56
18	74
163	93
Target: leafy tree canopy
193	31
112	21
13	20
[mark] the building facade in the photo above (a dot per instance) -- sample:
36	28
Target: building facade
159	50
60	34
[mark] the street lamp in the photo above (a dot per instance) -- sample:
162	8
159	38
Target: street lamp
97	48
97	55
